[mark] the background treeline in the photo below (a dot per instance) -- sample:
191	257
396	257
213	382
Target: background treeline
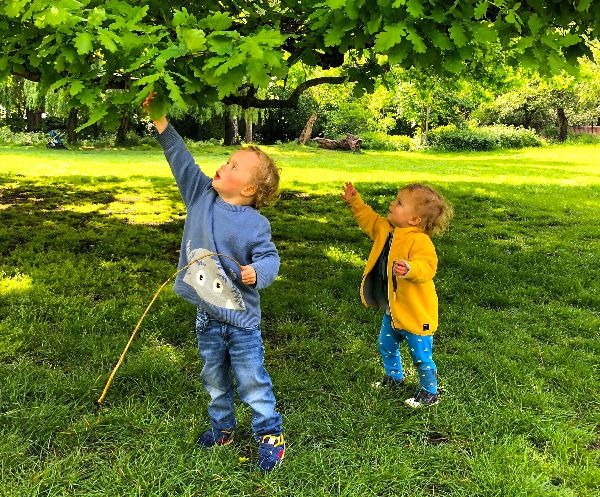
405	109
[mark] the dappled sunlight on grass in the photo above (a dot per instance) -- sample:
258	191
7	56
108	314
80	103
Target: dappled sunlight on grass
338	255
140	210
14	284
82	208
154	351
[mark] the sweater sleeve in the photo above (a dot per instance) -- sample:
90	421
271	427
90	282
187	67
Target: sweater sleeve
422	260
190	179
265	259
366	218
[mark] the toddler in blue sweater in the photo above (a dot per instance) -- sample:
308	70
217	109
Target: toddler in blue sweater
223	217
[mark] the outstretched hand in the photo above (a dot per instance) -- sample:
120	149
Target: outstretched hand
348	192
147	101
161	123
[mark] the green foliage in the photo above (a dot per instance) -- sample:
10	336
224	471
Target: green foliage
533	100
200	53
529	105
347	117
21	138
583	138
340	111
159	106
376	140
429	100
452	138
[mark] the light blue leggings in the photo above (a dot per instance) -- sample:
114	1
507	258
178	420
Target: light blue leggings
421	352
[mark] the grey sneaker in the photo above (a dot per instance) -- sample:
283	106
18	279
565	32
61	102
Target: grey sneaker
391	383
422	398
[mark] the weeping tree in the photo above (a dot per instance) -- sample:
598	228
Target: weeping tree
197	53
22	102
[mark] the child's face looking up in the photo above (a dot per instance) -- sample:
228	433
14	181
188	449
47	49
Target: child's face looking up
235	180
402	212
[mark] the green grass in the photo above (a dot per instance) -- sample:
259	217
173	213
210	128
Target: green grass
86	238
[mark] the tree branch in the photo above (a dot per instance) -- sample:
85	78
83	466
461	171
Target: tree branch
31	76
246	101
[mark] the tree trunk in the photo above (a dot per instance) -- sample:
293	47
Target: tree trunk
307	131
232	136
527	116
425	125
34	119
71	125
563	124
248	134
123	127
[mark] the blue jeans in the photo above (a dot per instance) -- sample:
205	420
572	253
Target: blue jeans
421	352
230	352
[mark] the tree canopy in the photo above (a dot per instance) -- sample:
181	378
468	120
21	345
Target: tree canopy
108	53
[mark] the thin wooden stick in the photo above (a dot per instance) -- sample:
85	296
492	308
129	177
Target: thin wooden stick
114	371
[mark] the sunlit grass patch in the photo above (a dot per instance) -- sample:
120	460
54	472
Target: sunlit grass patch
338	255
12	284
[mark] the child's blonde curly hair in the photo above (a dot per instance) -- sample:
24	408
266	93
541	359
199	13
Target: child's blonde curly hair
433	209
267	178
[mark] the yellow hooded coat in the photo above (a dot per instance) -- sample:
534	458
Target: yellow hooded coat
412	298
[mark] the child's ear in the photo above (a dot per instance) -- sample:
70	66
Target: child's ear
415	221
249	191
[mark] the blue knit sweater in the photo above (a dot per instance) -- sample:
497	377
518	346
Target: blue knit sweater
212	225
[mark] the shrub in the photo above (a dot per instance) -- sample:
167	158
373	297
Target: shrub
515	137
451	138
346	117
373	140
583	138
20	138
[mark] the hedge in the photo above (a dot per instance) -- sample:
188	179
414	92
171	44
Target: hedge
451	138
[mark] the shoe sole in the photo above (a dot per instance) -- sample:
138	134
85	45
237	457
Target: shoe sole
413	403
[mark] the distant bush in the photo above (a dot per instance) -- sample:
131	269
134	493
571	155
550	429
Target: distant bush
451	138
583	138
21	138
373	140
198	144
134	140
346	117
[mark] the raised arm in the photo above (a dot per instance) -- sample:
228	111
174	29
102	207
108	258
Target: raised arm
366	218
190	179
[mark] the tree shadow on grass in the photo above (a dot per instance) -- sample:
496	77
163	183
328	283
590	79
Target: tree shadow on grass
94	270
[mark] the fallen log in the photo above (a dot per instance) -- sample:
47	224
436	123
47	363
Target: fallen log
350	142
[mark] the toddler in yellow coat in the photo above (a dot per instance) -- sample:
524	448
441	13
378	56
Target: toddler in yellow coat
398	278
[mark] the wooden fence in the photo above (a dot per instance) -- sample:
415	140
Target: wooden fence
591	130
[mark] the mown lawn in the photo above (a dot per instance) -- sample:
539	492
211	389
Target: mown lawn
86	238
